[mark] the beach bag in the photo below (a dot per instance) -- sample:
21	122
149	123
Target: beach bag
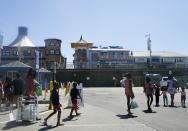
133	104
39	92
38	88
26	112
122	83
175	84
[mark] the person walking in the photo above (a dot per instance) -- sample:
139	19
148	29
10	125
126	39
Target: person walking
157	94
128	91
18	85
74	94
149	92
165	98
183	97
8	91
56	105
172	85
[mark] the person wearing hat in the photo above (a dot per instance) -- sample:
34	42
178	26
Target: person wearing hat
56	104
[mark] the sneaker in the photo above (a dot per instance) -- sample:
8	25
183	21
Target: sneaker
45	122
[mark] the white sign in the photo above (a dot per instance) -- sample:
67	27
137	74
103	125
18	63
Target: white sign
80	89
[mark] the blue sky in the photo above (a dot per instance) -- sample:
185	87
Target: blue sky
102	22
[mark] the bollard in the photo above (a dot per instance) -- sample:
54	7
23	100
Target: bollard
45	90
67	88
63	85
51	88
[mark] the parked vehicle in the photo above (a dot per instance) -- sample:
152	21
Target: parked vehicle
155	78
163	83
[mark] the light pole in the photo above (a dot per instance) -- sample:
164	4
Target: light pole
149	47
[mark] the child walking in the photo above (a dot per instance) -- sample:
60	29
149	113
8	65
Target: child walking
74	93
56	104
165	98
183	97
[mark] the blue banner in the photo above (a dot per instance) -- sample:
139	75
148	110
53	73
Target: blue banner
37	59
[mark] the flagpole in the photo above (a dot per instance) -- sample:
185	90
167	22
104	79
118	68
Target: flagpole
149	48
150	51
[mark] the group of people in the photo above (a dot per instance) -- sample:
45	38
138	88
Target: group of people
57	106
150	89
11	90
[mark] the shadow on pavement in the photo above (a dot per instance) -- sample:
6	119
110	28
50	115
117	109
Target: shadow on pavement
69	119
47	128
148	111
67	107
14	124
174	106
126	116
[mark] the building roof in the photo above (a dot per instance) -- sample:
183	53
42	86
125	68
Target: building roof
22	39
81	40
157	54
96	49
13	66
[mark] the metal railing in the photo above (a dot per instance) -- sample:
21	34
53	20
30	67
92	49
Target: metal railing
70	65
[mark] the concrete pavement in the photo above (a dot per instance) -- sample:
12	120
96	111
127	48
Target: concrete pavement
105	109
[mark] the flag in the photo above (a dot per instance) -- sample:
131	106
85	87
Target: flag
149	44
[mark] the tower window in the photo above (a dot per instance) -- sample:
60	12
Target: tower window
51	52
57	52
15	53
57	44
52	44
6	53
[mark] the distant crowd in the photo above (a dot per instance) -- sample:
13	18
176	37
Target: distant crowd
151	89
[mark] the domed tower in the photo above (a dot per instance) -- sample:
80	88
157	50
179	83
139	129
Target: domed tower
81	53
22	40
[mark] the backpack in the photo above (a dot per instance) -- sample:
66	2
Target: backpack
122	83
175	84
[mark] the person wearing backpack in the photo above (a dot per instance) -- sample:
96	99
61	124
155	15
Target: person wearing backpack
128	91
148	90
